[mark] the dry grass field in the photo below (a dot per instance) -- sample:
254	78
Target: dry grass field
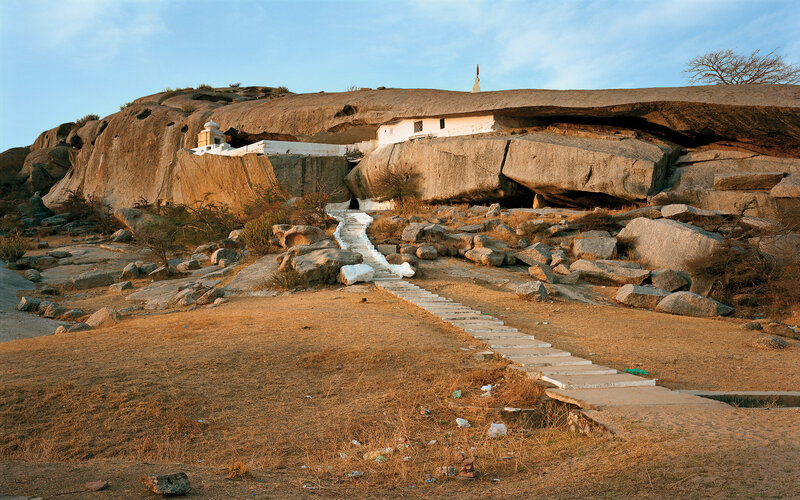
262	398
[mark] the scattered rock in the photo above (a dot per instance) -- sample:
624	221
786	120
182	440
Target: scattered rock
640	296
753	325
484	355
408	249
72	315
420	231
780	329
485	256
104	317
159	273
531	290
236	234
130	271
427	252
230	255
386	249
28	304
211	296
352	274
692	304
134	219
538	253
54	310
122	285
77	327
188	265
323	265
59	254
92	279
669	280
602	247
169	484
96	485
33	275
121	236
289	236
542	272
770	342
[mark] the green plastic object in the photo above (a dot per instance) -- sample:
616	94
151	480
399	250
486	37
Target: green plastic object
636	371
457	394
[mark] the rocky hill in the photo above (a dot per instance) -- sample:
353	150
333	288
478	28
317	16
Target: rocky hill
138	152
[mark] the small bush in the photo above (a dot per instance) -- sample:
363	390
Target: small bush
289	279
124	106
402	186
159	236
235	85
236	470
89	208
80	122
167	89
188	109
12	247
257	233
353	88
268	199
205	86
310	210
535	231
384	229
282	90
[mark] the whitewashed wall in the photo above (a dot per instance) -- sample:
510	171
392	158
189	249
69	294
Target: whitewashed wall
276	148
464	125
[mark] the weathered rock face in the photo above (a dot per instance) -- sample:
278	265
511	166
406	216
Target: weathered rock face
140	144
691	304
11	162
44	167
721	180
557	166
460	168
667	243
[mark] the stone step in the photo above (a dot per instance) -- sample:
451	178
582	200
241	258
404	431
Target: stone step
488	335
597	381
523	353
538	362
516	342
554	371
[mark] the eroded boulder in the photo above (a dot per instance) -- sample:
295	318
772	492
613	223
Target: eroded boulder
692	304
610	271
640	296
104	317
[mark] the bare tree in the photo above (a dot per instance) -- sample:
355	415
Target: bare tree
725	67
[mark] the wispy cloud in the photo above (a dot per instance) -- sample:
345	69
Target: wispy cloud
92	29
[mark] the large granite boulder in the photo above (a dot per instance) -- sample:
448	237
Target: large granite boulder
663	243
788	187
691	304
453	169
44	167
566	168
594	247
324	265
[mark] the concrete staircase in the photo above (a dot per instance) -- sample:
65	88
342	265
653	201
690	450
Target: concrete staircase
539	359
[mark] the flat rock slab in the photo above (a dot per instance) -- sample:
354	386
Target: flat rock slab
551	371
521	342
528	352
157	295
597	381
627	396
254	276
540	361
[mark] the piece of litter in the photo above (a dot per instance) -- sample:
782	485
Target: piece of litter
381	458
308	396
424	411
463	348
486	394
344	455
355	442
457	394
544	322
636	371
431	442
304	467
355	474
202	421
406	459
463	423
495	480
487	387
497	430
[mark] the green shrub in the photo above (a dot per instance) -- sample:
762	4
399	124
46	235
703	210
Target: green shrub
12	247
257	233
205	86
80	122
188	109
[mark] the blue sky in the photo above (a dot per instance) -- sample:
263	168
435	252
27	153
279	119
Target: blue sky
62	59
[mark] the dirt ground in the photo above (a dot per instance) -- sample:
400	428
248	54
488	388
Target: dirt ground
284	384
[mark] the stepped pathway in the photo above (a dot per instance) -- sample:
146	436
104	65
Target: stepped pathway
575	379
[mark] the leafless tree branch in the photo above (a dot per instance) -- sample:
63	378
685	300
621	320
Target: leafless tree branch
725	67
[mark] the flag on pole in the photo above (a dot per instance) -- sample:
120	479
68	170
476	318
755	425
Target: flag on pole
477	70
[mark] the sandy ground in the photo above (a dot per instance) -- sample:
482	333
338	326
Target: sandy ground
114	403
